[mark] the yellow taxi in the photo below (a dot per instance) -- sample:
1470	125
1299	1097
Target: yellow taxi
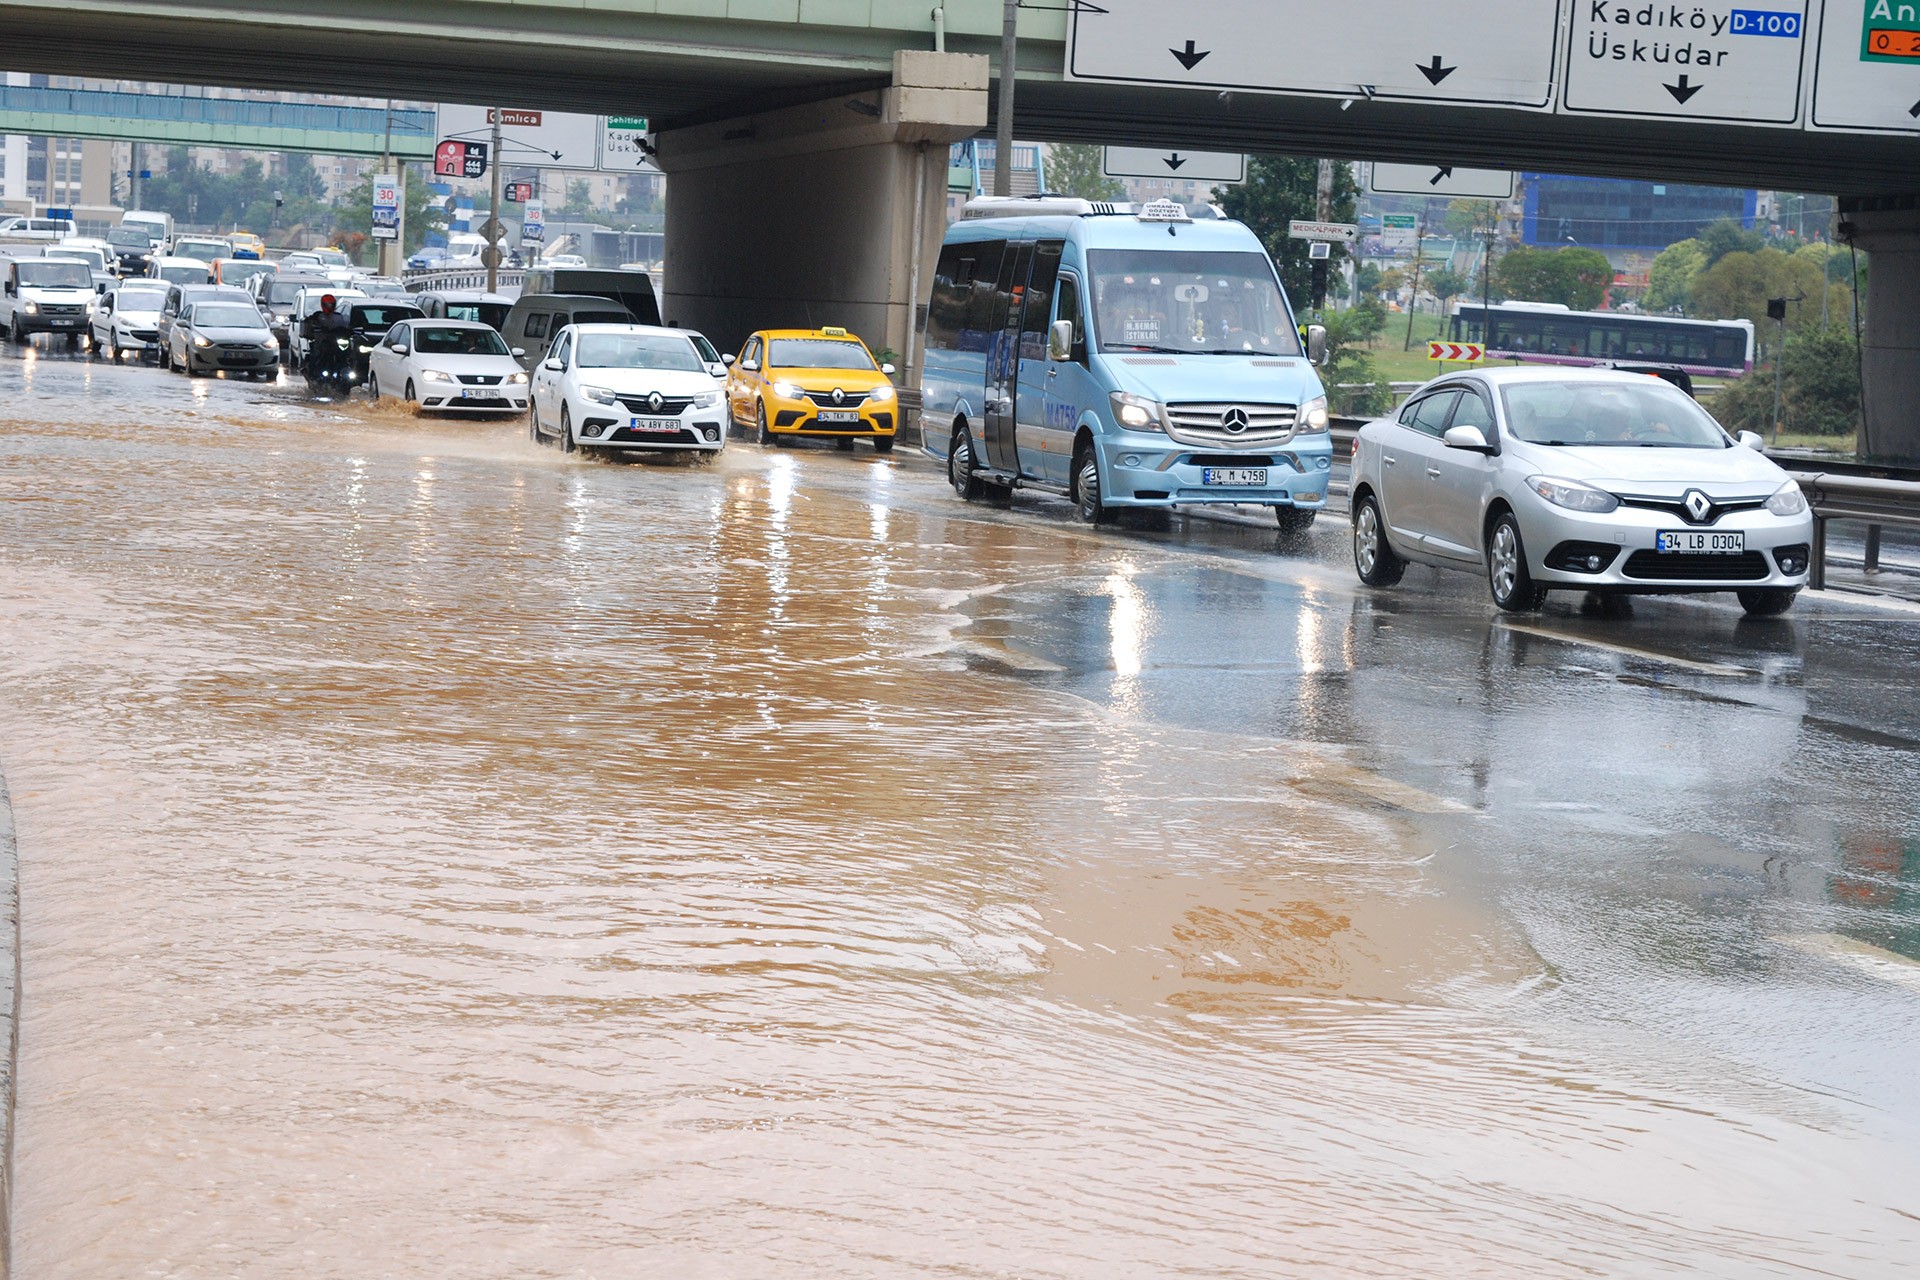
245	243
813	382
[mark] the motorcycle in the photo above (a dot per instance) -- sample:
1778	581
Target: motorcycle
330	367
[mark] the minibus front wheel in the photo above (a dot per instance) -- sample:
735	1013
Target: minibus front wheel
1088	501
960	465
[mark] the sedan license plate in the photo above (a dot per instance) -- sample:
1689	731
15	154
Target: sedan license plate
1253	477
479	393
838	415
656	424
1698	542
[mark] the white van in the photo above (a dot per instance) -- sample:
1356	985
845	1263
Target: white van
158	226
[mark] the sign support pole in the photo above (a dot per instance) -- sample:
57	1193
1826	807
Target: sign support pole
1003	133
1413	298
493	214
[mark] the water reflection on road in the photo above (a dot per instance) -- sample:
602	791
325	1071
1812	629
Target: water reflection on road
445	858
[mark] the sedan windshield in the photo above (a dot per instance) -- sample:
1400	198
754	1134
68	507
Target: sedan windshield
817	353
1189	303
184	275
53	274
457	342
129	238
139	299
1645	413
380	319
227	317
636	351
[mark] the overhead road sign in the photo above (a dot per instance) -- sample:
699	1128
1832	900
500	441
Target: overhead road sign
1333	232
529	139
1711	62
623	142
457	159
1440	180
1399	231
1866	76
1446	51
1219	168
1457	352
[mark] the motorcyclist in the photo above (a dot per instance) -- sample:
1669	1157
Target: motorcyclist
318	331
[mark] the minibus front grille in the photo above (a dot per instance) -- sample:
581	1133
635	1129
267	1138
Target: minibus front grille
1233	425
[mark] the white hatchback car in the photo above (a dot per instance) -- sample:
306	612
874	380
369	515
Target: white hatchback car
456	365
1587	480
628	387
126	318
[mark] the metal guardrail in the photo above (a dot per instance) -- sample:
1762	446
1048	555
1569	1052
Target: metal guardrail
459	278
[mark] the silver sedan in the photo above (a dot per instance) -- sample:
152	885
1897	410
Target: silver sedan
1589	480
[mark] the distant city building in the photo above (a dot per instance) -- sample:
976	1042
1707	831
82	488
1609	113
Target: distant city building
1617	215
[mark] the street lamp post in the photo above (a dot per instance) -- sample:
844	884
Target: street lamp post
1003	134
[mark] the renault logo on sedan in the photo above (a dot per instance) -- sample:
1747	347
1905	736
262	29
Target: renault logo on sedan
654	401
1234	420
1698	505
839	396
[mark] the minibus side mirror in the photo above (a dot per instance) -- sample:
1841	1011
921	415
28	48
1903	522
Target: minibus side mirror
1060	341
1317	343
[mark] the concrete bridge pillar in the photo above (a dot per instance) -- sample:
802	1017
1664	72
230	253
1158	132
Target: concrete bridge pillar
830	213
1889	229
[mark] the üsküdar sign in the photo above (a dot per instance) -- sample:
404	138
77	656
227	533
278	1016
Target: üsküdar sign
1712	61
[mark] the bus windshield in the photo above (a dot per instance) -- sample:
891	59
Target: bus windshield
1187	303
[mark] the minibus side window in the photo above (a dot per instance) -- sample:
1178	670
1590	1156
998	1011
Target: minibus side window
1039	298
952	281
977	329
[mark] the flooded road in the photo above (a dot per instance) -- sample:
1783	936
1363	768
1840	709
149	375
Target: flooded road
445	858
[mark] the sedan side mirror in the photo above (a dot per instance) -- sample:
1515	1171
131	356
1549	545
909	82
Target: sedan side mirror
716	370
517	352
751	366
1060	341
1317	343
402	349
1471	439
1752	440
726	359
887	369
554	366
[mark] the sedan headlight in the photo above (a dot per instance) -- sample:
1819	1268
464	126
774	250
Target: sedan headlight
881	395
708	400
787	390
435	375
599	395
202	340
1136	413
516	379
272	343
1573	495
1313	417
1788	501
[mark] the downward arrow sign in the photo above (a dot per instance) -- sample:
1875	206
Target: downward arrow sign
1915	113
1435	180
1174	162
1435	73
1188	57
1682	91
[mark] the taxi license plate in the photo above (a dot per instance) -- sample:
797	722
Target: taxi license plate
1698	542
838	415
655	424
1255	477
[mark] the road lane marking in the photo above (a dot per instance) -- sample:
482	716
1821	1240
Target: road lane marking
1864	957
1629	651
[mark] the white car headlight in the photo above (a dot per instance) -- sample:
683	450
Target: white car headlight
881	395
516	379
1313	417
1788	501
435	375
1136	413
787	390
32	308
599	395
202	340
709	400
272	343
1573	495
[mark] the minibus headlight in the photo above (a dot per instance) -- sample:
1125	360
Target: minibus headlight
1313	416
1137	413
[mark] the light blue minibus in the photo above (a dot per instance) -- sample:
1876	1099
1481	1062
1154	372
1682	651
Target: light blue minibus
1122	357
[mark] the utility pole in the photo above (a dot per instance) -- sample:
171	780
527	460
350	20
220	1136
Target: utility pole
1486	276
493	214
134	202
385	265
1003	134
1322	210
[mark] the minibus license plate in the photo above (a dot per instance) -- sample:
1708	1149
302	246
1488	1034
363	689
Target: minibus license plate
838	415
1698	542
656	424
1254	477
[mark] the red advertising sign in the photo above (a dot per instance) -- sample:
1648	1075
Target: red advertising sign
455	159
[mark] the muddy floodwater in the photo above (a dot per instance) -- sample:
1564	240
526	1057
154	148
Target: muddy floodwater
445	858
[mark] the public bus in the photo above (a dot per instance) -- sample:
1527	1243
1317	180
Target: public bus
1547	333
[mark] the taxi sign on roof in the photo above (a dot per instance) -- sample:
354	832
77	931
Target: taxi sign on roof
1164	211
834	331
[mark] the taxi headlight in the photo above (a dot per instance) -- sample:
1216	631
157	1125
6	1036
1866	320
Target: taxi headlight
706	400
881	395
1313	416
1572	495
1136	413
599	395
1788	501
787	390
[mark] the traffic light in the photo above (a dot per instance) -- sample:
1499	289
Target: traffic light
1776	308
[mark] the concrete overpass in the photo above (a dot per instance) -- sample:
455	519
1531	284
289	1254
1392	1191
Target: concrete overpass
799	128
175	119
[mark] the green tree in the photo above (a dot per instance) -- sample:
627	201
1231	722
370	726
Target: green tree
1819	389
1466	218
1445	284
1739	286
1354	387
579	198
1727	236
1277	191
1670	278
1074	169
1574	277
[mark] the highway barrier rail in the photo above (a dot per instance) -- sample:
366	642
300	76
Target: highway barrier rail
441	279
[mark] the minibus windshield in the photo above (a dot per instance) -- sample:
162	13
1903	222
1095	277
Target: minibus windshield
1187	303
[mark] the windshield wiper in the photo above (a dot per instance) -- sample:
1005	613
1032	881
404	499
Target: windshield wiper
1168	351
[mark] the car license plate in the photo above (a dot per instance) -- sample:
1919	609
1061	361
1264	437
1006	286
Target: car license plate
838	415
1255	477
479	393
1698	542
66	324
656	424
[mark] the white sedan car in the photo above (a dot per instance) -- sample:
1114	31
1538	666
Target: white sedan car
628	387
126	318
1589	480
457	365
